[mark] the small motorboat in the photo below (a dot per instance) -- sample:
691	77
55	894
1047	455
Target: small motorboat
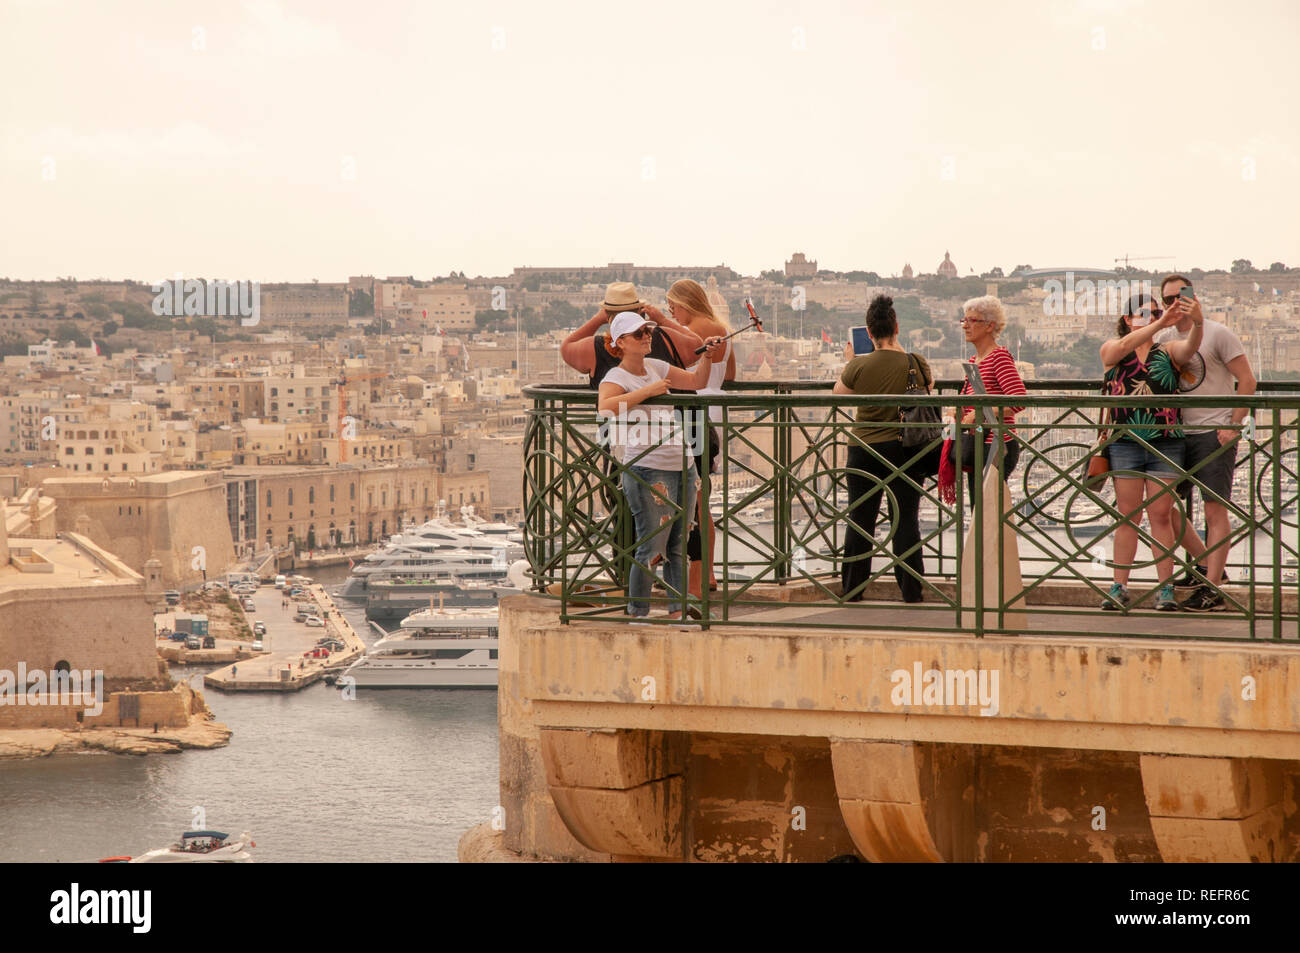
212	847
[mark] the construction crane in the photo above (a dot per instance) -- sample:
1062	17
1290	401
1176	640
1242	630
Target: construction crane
1126	259
343	383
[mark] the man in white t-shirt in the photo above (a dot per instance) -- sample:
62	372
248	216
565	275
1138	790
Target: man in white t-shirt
1211	445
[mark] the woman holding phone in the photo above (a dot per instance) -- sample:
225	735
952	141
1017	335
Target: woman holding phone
1150	448
659	479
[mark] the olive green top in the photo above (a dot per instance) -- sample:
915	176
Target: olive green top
881	372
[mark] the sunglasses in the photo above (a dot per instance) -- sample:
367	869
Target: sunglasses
646	330
1152	313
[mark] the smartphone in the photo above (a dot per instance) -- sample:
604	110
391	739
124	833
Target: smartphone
1187	293
861	341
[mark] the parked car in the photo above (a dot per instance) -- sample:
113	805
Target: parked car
300	616
259	628
316	653
214	584
173	597
178	636
209	641
315	621
249	605
279	582
257	645
193	642
334	645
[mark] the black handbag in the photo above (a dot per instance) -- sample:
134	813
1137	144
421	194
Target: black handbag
930	428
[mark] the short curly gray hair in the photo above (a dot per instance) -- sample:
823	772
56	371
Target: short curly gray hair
989	309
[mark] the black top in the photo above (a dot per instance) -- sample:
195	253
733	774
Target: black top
661	348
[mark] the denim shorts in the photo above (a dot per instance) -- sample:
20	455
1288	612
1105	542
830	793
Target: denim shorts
1131	455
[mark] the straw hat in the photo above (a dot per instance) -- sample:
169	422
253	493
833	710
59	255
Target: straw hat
622	296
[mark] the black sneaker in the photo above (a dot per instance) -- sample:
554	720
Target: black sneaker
1192	582
1204	599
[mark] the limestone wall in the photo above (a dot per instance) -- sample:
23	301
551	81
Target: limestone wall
167	516
109	629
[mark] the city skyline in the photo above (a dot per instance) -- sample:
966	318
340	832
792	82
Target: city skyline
273	139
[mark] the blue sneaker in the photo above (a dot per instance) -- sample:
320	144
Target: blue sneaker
1117	598
1165	601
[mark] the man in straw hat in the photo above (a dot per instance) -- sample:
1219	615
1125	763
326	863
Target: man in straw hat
585	351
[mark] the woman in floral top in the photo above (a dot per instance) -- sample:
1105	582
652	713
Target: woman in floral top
1148	454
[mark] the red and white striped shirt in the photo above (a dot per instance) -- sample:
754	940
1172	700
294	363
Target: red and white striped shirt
999	374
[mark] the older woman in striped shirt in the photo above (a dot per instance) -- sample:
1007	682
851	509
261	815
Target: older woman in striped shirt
984	320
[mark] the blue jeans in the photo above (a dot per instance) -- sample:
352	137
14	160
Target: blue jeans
662	507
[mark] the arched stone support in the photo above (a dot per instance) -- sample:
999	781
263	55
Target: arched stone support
618	791
1215	809
907	801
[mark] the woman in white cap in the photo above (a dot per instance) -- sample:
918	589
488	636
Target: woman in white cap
659	479
584	350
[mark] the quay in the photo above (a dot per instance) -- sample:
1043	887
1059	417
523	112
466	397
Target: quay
283	667
1004	718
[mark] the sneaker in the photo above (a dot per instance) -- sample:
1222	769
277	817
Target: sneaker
1117	598
1192	582
1165	601
1204	599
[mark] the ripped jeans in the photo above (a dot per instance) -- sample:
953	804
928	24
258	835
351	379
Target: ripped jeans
661	529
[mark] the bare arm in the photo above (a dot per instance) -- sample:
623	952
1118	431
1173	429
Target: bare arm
579	348
1116	348
1180	352
1246	383
730	374
841	388
613	399
685	340
698	376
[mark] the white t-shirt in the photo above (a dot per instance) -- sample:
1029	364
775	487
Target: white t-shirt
1218	347
643	426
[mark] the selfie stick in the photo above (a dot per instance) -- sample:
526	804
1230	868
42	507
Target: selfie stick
754	322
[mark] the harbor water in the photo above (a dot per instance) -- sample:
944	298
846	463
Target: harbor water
393	775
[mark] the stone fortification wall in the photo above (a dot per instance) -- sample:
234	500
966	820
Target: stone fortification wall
167	517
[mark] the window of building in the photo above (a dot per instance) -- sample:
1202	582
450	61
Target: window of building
69	451
331	492
268	499
352	491
291	496
311	494
108	451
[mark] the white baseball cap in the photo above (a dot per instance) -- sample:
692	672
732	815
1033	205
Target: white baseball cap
626	323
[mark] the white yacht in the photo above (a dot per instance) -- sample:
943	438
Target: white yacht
442	556
433	648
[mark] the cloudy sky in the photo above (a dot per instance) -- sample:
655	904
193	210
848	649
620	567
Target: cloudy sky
291	140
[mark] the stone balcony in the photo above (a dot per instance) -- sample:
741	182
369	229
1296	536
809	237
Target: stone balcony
622	743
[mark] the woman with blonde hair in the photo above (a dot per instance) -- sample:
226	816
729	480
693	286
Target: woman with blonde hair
688	303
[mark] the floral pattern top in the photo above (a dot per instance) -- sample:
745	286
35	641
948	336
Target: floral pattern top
1132	377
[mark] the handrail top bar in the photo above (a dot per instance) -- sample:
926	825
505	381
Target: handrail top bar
1071	384
587	398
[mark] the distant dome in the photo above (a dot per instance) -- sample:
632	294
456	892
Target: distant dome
946	268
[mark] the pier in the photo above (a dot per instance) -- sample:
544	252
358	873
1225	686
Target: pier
283	667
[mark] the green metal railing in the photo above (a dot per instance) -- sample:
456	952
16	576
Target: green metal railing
782	512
